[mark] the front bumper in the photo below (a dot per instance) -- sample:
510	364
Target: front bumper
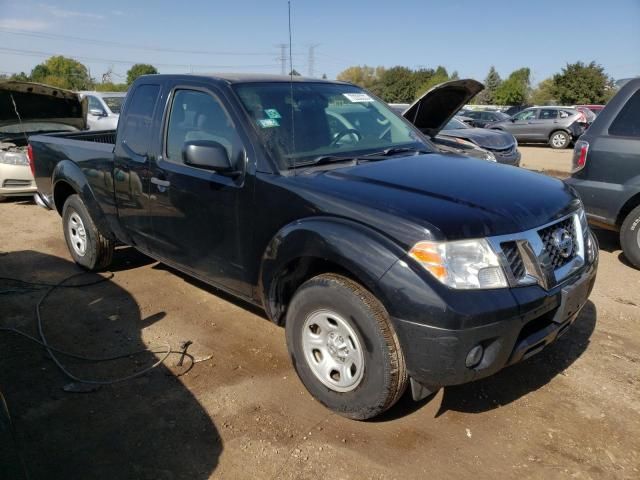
16	180
510	325
512	158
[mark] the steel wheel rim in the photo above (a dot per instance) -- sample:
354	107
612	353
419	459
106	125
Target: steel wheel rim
559	140
77	234
333	351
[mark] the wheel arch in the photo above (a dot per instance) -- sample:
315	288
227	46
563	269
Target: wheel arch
313	246
68	179
629	205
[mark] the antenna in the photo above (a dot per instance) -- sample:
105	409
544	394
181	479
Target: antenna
293	121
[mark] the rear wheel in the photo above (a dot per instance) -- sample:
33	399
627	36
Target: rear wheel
559	139
344	348
630	237
87	245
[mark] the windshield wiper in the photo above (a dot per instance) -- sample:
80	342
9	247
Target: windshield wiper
323	160
387	152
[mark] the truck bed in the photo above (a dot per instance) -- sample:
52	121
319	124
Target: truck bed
92	152
106	136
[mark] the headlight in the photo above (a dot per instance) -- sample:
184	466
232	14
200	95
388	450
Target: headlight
13	158
463	264
489	156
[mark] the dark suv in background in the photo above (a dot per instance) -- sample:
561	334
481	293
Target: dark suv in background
557	126
606	169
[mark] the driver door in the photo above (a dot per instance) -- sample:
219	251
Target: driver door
522	125
202	219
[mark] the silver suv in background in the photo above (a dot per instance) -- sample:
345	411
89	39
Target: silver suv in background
103	109
557	126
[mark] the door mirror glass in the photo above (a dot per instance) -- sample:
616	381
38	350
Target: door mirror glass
207	154
97	112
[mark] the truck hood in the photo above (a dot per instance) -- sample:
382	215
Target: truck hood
431	112
36	103
483	137
441	196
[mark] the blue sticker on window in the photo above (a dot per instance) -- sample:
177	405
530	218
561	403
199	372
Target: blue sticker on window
272	113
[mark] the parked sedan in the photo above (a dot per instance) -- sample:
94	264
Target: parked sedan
502	145
482	117
41	109
557	126
104	109
451	143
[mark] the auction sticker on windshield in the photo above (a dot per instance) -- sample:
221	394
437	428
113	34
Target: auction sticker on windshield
268	122
272	113
358	97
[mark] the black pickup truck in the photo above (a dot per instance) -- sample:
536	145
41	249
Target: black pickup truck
387	262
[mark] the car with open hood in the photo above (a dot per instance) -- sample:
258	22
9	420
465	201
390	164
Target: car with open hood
449	132
25	109
387	262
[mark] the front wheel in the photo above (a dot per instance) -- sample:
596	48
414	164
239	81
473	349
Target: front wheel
630	237
344	348
559	140
87	245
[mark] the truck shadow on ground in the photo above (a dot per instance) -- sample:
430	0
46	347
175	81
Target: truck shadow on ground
513	382
610	242
150	427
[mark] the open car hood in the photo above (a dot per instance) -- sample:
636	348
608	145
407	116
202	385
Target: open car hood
431	112
40	103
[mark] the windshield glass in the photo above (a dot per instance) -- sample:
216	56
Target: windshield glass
325	119
114	103
455	124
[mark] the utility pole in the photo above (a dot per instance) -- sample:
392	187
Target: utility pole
282	58
311	63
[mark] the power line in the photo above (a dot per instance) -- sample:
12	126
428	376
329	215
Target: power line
37	53
93	41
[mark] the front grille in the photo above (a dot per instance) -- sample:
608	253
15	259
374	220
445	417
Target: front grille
504	151
554	253
512	254
16	183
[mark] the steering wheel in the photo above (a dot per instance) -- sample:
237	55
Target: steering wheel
384	132
343	133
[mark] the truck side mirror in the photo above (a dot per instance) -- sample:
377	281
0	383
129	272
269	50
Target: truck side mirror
208	154
97	112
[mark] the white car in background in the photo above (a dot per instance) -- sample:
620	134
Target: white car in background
26	109
104	109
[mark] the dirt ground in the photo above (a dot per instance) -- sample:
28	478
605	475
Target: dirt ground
573	411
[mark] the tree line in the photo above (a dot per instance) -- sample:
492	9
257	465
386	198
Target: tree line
63	72
576	83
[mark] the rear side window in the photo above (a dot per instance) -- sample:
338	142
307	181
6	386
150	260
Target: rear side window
627	123
136	131
548	114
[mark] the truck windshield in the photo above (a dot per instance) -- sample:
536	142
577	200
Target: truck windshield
324	120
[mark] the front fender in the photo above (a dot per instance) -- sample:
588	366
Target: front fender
68	174
365	253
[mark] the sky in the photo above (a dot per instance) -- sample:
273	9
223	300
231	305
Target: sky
243	35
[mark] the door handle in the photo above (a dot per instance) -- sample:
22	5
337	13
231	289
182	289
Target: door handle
160	183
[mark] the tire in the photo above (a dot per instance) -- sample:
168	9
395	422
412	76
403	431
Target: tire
87	245
559	140
630	237
374	377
